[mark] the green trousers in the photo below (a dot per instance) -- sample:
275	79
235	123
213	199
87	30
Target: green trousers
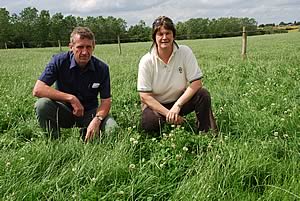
53	115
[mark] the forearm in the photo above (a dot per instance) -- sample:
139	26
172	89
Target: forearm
189	93
42	90
104	107
151	102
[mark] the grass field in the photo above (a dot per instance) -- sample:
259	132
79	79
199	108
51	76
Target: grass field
256	155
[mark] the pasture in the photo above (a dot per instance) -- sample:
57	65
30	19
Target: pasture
256	155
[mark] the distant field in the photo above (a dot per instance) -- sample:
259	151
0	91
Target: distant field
255	157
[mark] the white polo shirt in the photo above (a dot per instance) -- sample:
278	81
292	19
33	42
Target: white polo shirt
168	81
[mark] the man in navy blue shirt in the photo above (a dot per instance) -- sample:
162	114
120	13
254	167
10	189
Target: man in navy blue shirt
80	78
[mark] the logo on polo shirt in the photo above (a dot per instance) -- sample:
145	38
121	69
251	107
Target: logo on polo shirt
180	69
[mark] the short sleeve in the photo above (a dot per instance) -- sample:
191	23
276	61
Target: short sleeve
105	91
193	71
145	79
50	74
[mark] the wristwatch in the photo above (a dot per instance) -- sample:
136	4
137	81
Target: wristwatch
99	117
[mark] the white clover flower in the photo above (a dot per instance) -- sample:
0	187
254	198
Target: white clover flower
178	156
285	135
218	157
173	126
273	104
132	139
185	149
135	142
173	145
275	134
282	119
132	166
93	179
8	164
22	158
153	139
162	165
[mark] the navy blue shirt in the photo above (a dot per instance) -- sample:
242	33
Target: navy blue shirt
85	85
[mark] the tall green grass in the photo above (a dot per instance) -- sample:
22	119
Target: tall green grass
256	155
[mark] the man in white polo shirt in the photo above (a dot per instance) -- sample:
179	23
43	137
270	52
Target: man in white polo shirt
169	82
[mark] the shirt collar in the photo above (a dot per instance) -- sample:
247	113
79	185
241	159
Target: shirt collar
73	64
153	49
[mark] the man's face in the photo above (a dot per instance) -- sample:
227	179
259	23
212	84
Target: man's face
82	49
164	38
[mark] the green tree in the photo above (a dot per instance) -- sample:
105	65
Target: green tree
196	27
5	31
139	32
42	29
181	31
28	19
57	30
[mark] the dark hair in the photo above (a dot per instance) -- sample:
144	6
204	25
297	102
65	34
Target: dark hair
162	21
83	32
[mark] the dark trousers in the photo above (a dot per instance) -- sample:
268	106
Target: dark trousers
200	103
53	115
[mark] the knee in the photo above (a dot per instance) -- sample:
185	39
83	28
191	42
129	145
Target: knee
203	92
110	125
203	96
42	105
150	121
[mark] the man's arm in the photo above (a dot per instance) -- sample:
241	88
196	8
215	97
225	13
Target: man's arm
101	113
41	89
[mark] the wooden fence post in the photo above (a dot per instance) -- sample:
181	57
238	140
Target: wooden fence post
244	43
59	45
5	45
120	49
23	45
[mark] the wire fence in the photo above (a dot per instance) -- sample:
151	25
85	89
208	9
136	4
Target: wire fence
126	39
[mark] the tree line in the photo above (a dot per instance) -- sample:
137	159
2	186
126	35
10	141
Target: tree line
33	28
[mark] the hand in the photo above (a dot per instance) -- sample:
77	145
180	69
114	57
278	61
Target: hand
78	109
173	116
93	129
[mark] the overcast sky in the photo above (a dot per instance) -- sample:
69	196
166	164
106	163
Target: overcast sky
264	11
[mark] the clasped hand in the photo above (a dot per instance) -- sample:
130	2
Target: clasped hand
78	109
173	116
